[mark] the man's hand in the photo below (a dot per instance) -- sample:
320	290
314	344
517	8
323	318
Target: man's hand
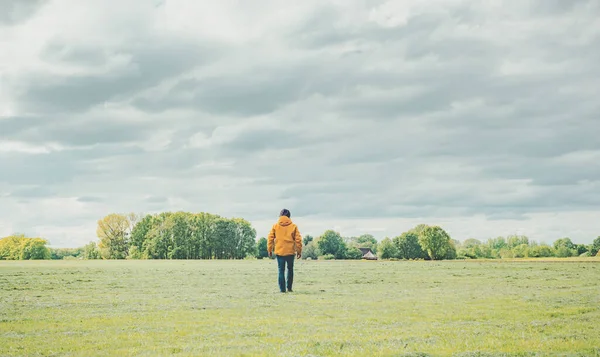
298	255
270	254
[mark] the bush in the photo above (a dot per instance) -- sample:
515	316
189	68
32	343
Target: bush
506	253
311	250
563	252
328	257
466	253
353	253
134	253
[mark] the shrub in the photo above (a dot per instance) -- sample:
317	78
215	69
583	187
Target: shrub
328	257
353	253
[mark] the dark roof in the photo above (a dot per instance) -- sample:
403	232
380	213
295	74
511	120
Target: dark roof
365	250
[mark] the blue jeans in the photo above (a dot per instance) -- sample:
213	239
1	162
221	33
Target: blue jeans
281	261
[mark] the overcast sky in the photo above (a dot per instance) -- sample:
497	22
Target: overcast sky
361	116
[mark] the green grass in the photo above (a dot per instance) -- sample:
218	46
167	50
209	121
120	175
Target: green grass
341	308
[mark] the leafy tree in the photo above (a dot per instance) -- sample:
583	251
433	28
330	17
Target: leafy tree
541	251
10	247
581	249
135	253
34	249
367	241
419	229
471	242
451	251
307	239
595	248
113	231
515	241
497	243
435	241
90	251
353	253
564	252
564	242
408	247
332	243
262	248
311	250
521	251
62	253
387	249
19	247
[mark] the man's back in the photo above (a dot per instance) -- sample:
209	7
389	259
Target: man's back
285	238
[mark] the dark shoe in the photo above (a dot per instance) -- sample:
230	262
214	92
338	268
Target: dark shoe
290	290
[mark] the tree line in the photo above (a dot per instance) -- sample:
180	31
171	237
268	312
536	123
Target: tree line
184	235
178	235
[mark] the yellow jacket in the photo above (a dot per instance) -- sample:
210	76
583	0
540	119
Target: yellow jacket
286	238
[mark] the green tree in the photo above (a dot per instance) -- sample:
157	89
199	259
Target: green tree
564	242
515	241
262	248
595	247
10	247
408	247
135	253
471	242
367	241
387	249
542	251
34	249
497	243
307	239
581	248
353	253
65	253
521	251
332	243
435	242
311	250
19	247
564	252
90	251
113	231
451	251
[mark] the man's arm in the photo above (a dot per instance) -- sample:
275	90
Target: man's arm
298	240
271	241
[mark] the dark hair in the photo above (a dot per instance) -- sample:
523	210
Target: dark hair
285	212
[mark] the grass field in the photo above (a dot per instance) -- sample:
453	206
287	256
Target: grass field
233	308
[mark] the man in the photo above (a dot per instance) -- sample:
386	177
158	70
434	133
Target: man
287	241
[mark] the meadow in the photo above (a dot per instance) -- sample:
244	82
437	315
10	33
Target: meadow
338	308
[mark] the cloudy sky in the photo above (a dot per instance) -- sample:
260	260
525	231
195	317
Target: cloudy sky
364	116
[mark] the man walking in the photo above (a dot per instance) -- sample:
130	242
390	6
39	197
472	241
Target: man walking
287	241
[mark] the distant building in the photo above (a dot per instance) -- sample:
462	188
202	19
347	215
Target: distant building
367	254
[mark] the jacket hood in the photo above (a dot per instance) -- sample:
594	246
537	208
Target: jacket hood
284	221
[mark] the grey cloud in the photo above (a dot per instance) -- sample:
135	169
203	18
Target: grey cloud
34	192
13	12
76	130
151	61
58	167
261	90
156	199
90	199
